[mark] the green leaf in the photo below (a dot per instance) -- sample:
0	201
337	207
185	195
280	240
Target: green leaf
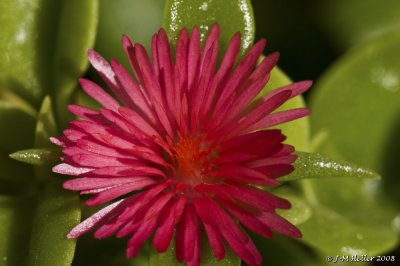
17	127
314	165
38	157
15	219
356	105
299	212
348	220
76	34
46	126
139	19
188	13
350	23
44	44
24	42
57	212
297	131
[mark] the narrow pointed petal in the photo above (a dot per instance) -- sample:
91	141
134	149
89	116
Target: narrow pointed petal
85	183
165	231
278	224
181	146
67	169
193	58
119	190
236	238
98	94
279	118
137	99
214	236
95	220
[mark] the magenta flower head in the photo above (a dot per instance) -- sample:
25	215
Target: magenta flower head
183	148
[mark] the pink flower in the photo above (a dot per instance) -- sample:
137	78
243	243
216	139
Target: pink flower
183	148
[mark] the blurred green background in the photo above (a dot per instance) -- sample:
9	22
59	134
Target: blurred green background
350	48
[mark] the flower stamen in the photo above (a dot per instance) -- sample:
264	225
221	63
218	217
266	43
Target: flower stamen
193	159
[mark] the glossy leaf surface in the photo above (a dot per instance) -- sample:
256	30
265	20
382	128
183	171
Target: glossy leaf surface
24	56
314	165
77	27
345	221
356	107
44	45
38	157
232	16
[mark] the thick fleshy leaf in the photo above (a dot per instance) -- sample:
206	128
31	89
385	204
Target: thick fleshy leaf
57	212
77	28
43	44
188	13
297	131
17	127
364	90
347	219
356	108
15	219
21	21
314	165
38	157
